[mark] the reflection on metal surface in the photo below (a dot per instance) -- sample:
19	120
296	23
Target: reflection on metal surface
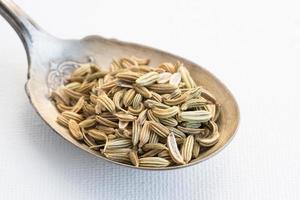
59	73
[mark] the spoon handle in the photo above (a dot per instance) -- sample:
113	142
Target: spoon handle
26	28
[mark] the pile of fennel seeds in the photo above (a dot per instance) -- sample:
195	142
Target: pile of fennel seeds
137	114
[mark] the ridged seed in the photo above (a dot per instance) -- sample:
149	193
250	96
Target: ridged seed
155	162
165	113
75	130
187	148
147	79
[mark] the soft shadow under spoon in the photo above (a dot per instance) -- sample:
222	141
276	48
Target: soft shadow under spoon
45	53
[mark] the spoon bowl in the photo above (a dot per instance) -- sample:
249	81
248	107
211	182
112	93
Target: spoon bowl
48	69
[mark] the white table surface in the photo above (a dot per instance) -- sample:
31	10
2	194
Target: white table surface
252	46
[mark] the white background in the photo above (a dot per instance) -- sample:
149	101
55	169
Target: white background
252	46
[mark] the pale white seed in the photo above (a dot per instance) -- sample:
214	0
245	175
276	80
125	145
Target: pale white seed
175	79
164	77
199	116
173	149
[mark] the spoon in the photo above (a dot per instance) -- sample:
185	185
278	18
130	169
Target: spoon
48	69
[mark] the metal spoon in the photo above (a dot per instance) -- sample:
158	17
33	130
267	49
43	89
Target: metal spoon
45	53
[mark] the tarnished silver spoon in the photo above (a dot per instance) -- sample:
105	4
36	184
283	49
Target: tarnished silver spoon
45	54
